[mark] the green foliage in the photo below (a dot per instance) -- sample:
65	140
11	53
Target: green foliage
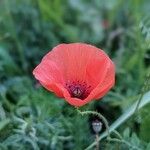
33	118
144	128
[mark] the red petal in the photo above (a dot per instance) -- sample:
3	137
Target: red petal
107	83
49	76
79	61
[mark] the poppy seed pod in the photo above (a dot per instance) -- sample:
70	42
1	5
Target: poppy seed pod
97	126
77	72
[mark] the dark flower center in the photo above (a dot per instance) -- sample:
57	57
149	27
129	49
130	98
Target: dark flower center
78	89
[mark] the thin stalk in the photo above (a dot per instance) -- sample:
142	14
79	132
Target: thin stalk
123	142
97	142
145	88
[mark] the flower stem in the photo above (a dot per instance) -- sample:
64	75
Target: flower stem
97	142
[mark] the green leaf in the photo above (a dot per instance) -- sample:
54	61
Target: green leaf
3	123
148	147
145	127
126	133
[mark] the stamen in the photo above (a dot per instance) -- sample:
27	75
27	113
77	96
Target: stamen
78	89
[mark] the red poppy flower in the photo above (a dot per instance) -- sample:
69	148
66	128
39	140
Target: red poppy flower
77	72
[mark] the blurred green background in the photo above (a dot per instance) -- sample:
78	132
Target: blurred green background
32	118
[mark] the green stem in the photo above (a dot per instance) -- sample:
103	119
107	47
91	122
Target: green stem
144	89
97	142
123	142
